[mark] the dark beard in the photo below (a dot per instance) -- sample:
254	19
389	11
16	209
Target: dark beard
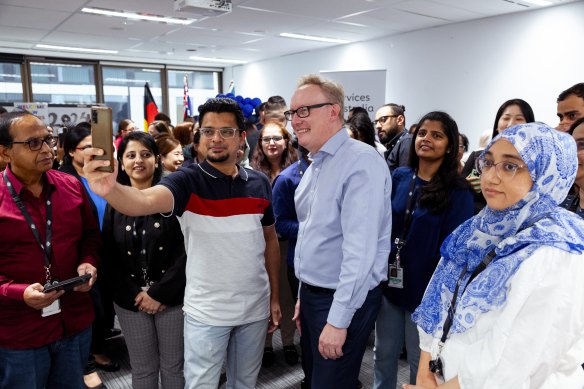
219	159
390	134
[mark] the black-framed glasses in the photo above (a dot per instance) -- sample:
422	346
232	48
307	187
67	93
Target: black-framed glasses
275	138
505	170
35	144
304	111
225	133
383	119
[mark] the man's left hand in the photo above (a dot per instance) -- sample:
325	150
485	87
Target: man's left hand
331	341
86	268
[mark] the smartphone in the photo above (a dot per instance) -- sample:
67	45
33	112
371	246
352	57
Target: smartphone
102	135
68	284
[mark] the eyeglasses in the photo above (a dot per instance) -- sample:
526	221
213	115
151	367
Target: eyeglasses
304	111
383	119
35	144
504	170
225	133
275	138
83	148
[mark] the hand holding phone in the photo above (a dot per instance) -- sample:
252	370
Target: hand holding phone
102	135
69	284
474	179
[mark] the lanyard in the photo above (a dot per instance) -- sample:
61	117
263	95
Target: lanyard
46	248
481	266
410	208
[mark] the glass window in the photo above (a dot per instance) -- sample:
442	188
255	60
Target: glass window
123	91
62	83
202	86
10	83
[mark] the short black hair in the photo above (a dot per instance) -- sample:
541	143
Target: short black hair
163	117
576	89
6	122
220	105
574	125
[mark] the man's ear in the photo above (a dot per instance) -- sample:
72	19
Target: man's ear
5	153
401	119
242	137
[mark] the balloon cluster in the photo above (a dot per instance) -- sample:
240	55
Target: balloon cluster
246	104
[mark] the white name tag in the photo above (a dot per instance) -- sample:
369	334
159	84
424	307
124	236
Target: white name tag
52	309
396	277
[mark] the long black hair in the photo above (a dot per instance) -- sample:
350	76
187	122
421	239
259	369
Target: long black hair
147	141
363	125
523	105
434	195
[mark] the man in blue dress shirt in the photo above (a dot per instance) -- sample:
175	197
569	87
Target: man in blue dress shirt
344	210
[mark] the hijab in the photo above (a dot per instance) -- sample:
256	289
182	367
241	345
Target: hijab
514	233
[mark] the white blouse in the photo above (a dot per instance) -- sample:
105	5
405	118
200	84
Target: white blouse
535	340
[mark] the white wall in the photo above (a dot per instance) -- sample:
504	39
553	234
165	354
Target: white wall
467	69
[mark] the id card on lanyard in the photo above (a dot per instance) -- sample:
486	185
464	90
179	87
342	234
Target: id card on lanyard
45	246
396	271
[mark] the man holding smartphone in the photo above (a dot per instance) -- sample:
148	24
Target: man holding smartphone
233	258
48	235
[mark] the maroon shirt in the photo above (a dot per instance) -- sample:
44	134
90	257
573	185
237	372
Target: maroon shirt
76	240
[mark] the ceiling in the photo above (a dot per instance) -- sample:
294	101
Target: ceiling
249	33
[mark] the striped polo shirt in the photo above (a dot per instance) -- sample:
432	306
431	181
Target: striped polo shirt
222	220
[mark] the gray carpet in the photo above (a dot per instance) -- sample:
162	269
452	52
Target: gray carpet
278	376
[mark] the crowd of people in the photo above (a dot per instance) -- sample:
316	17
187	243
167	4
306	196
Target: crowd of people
210	235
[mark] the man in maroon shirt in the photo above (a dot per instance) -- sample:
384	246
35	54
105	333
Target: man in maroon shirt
48	234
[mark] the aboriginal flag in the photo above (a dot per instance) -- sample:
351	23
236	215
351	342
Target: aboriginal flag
150	108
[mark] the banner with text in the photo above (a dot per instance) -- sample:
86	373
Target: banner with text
363	88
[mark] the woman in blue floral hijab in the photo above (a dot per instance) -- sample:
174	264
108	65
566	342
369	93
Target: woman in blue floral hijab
519	322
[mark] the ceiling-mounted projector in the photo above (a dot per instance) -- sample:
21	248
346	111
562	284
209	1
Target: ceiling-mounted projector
203	7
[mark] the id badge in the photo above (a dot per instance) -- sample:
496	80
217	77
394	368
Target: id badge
396	277
52	309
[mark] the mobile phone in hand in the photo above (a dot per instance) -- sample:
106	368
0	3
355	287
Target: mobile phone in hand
102	135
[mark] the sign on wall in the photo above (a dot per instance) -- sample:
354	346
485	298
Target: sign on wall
363	88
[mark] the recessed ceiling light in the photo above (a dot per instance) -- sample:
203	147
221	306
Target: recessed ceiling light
80	49
137	16
208	59
313	38
542	3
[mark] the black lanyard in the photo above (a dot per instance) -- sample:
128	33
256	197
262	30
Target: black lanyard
46	248
481	266
400	242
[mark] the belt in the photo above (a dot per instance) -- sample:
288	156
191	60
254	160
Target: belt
317	289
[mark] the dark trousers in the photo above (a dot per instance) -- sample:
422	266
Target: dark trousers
343	372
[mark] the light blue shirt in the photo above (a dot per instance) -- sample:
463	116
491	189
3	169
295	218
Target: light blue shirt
343	204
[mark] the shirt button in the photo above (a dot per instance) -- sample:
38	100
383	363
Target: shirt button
157	225
160	248
163	271
128	228
143	251
129	253
131	275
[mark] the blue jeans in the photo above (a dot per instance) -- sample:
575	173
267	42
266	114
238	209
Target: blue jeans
58	365
394	324
205	348
343	372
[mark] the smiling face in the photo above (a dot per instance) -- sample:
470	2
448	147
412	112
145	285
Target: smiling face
139	164
503	193
431	142
578	136
24	163
510	117
273	149
321	124
173	159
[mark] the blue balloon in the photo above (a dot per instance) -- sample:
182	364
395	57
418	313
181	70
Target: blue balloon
230	95
239	99
247	100
247	110
256	101
220	96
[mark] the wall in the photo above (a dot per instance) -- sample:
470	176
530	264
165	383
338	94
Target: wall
467	69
